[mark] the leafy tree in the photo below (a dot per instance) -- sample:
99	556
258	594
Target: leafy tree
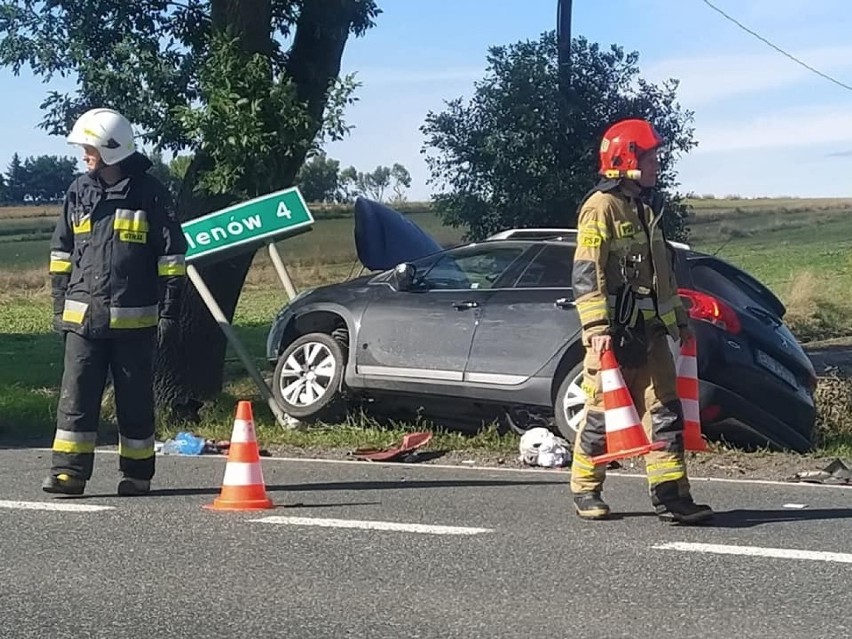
179	166
348	183
319	179
15	180
499	161
371	185
163	172
248	88
46	177
401	181
374	184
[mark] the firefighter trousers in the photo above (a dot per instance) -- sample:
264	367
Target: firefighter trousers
652	382
87	361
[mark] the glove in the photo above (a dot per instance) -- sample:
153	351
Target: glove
686	334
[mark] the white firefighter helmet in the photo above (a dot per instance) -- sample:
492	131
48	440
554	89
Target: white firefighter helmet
540	447
106	130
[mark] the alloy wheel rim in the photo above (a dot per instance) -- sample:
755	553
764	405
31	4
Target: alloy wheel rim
572	405
307	373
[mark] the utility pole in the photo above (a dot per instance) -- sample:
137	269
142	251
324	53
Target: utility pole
563	44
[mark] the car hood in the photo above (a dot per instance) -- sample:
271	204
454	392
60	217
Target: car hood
384	237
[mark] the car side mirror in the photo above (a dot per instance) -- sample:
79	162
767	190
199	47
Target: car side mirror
402	277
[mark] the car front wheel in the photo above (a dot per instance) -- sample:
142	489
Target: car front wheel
307	378
569	404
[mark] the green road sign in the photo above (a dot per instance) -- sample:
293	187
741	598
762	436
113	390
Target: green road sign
255	222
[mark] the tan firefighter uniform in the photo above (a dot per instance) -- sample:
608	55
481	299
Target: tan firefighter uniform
623	277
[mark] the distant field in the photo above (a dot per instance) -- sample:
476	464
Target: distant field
774	239
24	240
26	212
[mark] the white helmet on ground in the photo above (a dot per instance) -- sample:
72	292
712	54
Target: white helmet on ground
540	447
106	130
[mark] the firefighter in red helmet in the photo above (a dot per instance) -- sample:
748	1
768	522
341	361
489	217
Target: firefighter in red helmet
626	296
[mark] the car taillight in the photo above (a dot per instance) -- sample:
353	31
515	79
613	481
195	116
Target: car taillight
706	308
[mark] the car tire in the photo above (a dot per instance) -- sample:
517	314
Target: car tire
308	378
569	403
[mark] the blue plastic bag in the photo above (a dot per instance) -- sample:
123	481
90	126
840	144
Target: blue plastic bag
184	444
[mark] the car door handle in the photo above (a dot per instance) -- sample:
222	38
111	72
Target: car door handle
463	306
564	302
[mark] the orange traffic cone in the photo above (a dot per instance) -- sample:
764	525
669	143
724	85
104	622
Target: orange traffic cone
687	390
243	487
625	436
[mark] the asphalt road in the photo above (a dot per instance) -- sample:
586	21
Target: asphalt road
514	561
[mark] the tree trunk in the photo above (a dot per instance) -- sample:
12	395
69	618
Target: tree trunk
190	363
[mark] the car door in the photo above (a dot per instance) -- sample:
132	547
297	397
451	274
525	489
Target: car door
523	327
424	334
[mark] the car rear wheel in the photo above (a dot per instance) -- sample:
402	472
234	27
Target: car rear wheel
569	403
307	378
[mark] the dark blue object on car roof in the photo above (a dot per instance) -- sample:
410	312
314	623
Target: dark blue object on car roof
384	237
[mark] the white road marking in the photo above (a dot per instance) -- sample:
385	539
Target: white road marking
756	551
373	525
795	506
48	505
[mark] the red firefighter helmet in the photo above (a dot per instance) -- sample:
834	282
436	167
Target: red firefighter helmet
623	143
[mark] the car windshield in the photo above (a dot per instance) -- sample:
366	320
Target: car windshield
476	266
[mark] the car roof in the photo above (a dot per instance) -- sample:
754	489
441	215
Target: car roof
534	234
551	234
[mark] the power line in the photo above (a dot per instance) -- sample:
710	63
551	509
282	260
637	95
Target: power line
777	48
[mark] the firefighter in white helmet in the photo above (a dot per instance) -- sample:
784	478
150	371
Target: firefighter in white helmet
117	265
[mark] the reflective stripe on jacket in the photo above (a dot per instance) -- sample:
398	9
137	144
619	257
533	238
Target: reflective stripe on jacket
615	246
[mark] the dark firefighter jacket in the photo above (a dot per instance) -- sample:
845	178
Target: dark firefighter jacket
117	257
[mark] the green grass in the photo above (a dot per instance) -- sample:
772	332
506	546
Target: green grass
10	226
804	257
31	370
24	255
776	255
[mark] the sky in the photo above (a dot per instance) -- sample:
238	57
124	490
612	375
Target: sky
765	125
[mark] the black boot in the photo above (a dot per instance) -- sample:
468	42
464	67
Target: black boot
591	506
672	507
130	487
63	484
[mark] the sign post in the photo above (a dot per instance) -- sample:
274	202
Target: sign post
239	229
